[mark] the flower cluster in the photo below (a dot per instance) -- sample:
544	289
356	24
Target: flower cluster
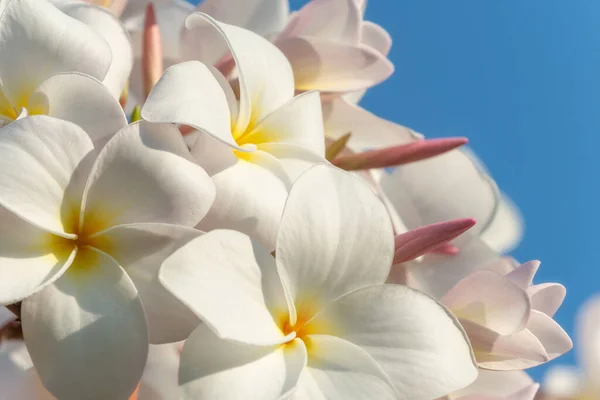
194	206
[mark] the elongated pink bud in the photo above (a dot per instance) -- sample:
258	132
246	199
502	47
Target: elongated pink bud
417	242
152	58
398	155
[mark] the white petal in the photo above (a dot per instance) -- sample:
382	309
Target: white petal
82	100
141	249
588	336
334	67
416	341
265	76
189	94
261	16
547	297
298	122
506	228
28	262
335	236
555	340
250	197
334	20
105	24
442	188
490	300
343	370
42	41
159	381
18	378
375	36
523	274
38	157
232	284
436	274
295	160
145	174
368	131
88	324
497	383
242	371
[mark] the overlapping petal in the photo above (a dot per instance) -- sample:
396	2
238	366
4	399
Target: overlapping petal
334	236
42	41
88	324
412	337
145	174
242	370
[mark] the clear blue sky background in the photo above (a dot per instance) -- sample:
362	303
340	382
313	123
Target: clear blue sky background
520	79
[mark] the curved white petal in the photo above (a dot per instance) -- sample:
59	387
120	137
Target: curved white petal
242	371
418	343
343	370
505	353
260	16
523	274
442	188
338	21
159	381
496	383
298	122
18	378
42	41
436	274
367	131
250	197
141	249
547	297
232	284
105	24
189	94
335	236
145	174
295	160
327	66
375	36
88	324
555	340
506	229
38	157
28	261
490	300
265	76
82	100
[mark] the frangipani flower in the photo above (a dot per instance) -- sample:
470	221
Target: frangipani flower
81	240
253	148
570	383
317	322
498	385
477	276
53	65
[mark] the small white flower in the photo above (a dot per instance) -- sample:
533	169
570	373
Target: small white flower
316	322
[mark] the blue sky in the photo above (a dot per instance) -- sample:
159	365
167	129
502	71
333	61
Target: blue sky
520	79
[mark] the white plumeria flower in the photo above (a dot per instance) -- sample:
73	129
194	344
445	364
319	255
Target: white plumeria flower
55	67
571	383
253	148
450	186
82	238
317	322
486	291
104	23
498	385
